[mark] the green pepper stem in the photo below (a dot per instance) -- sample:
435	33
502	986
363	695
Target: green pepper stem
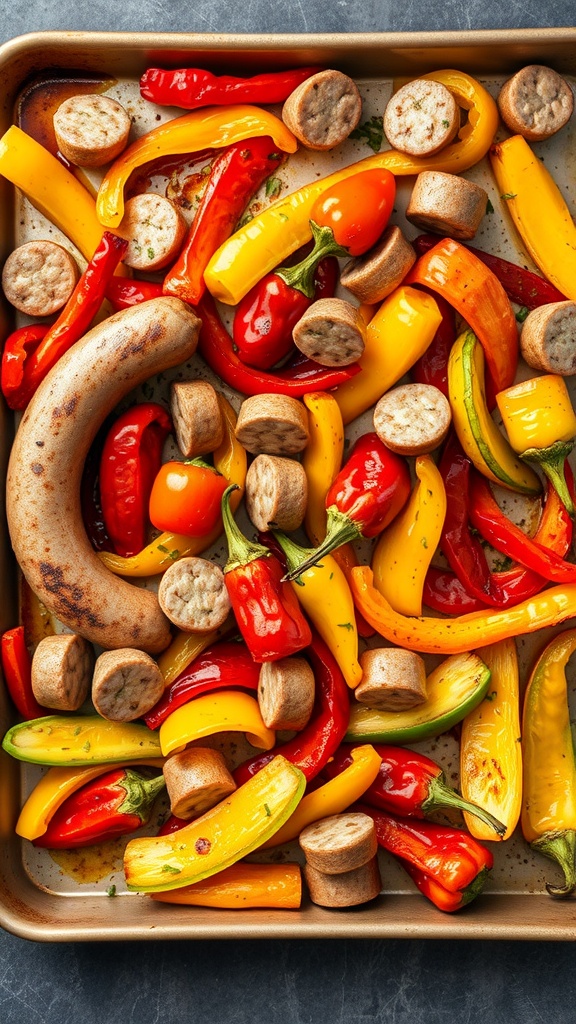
295	553
241	551
301	276
140	793
561	848
340	529
552	461
475	888
441	795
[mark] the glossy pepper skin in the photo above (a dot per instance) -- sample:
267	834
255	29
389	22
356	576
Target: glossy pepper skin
112	805
185	498
311	749
131	458
191	88
266	609
266	316
367	494
223	666
450	856
432	366
409	784
235	175
17	671
123	292
72	322
442	899
18	349
549	776
295	379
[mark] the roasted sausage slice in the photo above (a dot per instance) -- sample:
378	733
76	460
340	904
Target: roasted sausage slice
91	130
45	470
126	684
194	596
536	102
39	277
323	110
342	842
62	671
346	890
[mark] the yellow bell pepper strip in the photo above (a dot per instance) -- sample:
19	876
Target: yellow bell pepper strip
541	425
490	751
405	550
324	594
398	334
230	460
273	235
482	441
212	128
80	740
334	796
538	210
321	459
242	886
53	190
185	647
549	795
474	290
55	787
224	835
225	711
464	632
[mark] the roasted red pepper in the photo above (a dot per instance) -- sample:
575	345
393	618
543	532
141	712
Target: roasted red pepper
123	292
73	321
266	316
131	459
236	174
226	665
346	220
367	494
311	749
90	499
18	349
409	784
437	894
297	379
521	286
17	670
449	856
172	824
191	88
487	517
432	367
186	496
112	805
266	609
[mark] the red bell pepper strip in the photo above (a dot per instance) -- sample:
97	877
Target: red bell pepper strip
17	670
131	459
236	174
191	88
296	379
123	292
172	824
266	609
18	349
75	318
487	517
432	367
367	494
311	749
226	665
409	784
476	293
451	856
438	895
112	805
266	316
521	286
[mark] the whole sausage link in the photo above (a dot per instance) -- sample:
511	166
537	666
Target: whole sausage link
45	470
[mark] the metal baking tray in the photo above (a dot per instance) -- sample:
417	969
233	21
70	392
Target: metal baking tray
37	899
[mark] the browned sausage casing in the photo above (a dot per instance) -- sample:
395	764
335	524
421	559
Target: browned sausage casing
45	470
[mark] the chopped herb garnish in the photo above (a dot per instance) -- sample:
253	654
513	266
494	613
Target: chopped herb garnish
345	625
522	314
424	542
167	869
111	891
371	132
245	219
283	217
86	746
445	124
268	811
150	252
489	207
509	195
77	730
273	187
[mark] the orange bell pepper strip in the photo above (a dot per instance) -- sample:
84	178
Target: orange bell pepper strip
211	128
242	886
464	632
476	293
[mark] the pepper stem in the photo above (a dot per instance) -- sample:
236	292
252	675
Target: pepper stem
552	461
560	847
140	793
241	551
301	276
340	529
294	552
475	888
442	795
